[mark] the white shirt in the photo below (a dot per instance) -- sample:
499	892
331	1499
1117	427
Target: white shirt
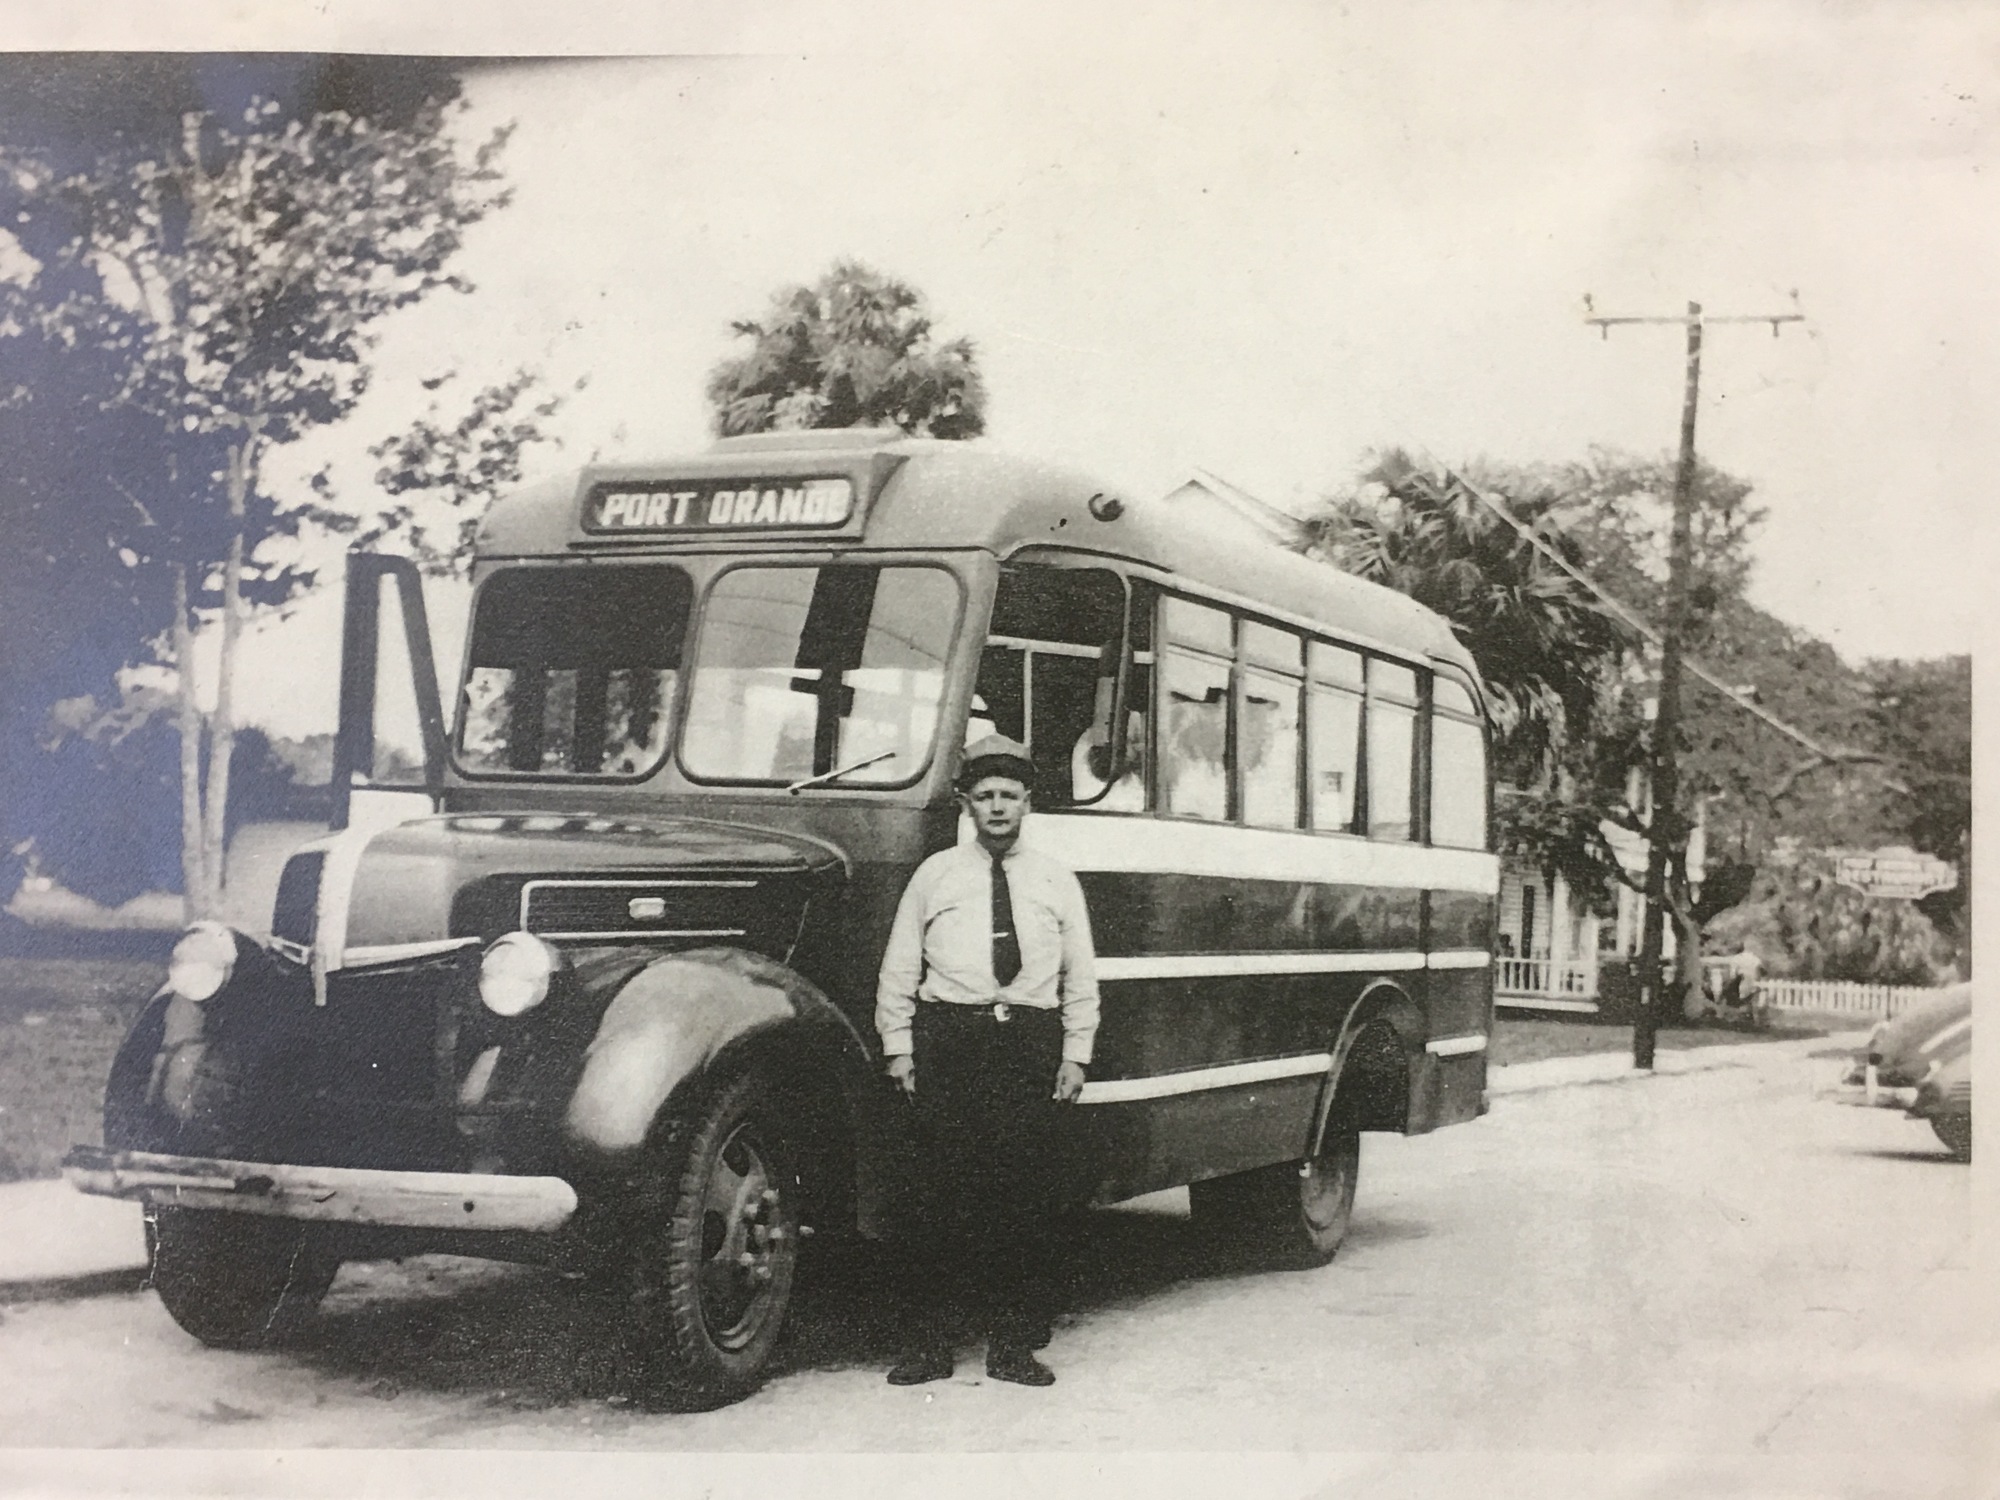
941	945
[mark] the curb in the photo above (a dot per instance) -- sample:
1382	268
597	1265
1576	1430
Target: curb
75	1288
1616	1067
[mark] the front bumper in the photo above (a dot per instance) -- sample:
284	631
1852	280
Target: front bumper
344	1195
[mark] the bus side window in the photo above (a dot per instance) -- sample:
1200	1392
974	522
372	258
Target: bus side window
1458	768
1333	734
1195	669
1048	671
1392	750
1268	735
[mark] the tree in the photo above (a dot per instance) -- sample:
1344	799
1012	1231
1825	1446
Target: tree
76	603
1805	924
237	278
446	472
1920	714
852	350
1543	642
112	774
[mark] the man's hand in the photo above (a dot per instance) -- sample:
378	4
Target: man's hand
1069	1082
904	1070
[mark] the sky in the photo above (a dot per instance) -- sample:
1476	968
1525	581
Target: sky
1265	239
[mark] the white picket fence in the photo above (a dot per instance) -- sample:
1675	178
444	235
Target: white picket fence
1841	996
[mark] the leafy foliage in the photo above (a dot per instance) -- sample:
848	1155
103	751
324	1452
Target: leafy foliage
1572	681
1920	713
103	789
217	292
1804	924
852	350
243	272
1619	509
446	473
1544	645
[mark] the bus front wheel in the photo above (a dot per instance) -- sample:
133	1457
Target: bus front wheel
714	1269
1292	1213
237	1281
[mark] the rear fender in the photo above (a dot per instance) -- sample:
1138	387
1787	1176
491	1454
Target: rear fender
678	1020
1381	1001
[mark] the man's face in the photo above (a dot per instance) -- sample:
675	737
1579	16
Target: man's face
997	804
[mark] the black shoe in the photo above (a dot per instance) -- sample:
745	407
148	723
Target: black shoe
1012	1362
921	1367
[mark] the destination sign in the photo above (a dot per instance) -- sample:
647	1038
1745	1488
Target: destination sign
707	505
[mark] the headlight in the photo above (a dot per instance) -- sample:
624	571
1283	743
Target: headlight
514	975
202	962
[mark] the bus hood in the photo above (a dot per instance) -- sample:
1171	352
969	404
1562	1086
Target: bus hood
376	895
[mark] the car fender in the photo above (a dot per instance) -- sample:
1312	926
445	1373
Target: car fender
674	1020
154	1082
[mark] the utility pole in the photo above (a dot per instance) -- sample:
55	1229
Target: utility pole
1665	833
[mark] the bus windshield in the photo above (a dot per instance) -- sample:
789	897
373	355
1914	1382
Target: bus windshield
827	673
573	671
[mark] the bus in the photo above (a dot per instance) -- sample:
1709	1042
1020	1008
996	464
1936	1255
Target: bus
606	1002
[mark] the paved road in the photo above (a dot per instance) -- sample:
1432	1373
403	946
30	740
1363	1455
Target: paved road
1672	1280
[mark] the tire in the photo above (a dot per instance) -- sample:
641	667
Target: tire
714	1268
1956	1132
1292	1214
237	1281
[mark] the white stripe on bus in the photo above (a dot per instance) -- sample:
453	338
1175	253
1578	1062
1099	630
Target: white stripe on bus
1112	844
1459	958
1234	1075
1456	1046
1215	965
1197	1080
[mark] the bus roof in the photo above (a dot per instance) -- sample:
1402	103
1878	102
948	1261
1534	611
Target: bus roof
921	494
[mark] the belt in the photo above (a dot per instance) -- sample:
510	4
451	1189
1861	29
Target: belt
998	1010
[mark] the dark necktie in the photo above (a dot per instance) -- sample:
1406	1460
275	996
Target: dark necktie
1006	943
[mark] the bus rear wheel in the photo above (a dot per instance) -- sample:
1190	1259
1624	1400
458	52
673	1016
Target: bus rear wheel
1293	1213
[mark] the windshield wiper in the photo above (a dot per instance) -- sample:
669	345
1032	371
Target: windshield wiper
838	772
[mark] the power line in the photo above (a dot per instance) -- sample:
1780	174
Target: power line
1835	756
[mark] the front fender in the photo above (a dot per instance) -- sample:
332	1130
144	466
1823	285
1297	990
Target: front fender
158	1088
672	1021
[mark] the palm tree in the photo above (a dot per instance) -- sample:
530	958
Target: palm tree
852	350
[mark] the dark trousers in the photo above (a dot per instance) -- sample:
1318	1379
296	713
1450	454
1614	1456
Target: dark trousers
988	1136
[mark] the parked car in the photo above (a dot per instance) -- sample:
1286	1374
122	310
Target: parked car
1945	1099
1923	1059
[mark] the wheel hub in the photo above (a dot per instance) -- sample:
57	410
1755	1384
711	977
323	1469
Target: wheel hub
1323	1189
744	1242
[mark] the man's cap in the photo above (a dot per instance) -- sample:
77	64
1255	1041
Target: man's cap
996	755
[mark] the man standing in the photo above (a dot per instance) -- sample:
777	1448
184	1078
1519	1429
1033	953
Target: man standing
987	1008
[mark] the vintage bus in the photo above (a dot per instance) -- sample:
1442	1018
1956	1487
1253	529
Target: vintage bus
608	1003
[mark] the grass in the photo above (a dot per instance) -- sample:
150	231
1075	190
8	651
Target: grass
1530	1039
61	1020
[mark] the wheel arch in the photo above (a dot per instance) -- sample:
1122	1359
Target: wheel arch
1375	1050
689	1023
